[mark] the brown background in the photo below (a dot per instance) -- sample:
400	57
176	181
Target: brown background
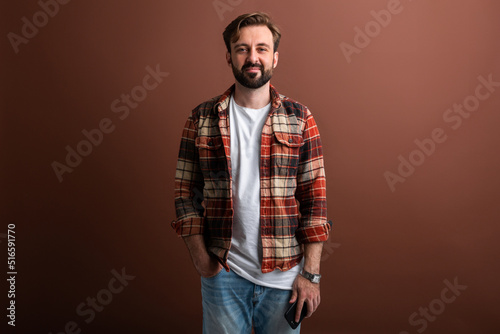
389	252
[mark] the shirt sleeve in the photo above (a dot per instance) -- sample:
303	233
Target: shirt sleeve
188	185
311	187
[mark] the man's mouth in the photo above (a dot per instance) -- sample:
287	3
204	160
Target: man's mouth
252	69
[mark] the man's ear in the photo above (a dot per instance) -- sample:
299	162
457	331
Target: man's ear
275	59
228	58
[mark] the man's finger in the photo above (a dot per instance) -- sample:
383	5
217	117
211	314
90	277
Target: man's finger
310	309
300	304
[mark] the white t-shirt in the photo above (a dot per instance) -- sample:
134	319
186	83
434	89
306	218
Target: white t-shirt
245	254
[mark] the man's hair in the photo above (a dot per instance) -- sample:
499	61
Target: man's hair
232	32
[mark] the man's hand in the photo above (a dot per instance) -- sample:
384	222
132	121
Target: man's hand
206	265
304	290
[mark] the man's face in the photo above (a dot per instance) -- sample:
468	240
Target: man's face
252	57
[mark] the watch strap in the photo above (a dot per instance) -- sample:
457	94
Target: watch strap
314	278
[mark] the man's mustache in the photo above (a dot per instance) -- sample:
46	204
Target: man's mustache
252	65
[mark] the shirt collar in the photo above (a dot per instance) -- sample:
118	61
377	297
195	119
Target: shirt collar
223	102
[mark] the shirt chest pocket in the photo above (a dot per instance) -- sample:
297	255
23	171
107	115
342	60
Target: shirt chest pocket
285	153
211	155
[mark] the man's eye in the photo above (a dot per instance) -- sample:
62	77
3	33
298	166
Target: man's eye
241	50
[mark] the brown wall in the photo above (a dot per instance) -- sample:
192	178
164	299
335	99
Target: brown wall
391	250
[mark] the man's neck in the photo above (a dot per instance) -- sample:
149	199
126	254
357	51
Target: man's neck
252	98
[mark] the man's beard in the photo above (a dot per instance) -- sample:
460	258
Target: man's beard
248	80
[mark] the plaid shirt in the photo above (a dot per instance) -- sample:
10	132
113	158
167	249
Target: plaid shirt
292	181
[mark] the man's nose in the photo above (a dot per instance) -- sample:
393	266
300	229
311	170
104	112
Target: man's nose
252	56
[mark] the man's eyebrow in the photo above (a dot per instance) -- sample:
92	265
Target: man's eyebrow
240	44
264	44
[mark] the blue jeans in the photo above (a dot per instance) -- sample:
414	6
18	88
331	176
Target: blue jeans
231	304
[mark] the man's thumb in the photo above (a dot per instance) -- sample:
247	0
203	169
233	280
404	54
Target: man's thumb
294	296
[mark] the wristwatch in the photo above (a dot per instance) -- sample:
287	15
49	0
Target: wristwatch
314	278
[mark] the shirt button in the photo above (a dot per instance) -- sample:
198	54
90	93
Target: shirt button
290	140
210	143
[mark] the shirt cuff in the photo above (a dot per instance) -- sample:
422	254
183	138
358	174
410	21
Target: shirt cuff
313	233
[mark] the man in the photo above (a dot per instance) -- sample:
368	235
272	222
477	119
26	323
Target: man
250	193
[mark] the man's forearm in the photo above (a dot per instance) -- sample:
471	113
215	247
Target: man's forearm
204	264
312	257
197	249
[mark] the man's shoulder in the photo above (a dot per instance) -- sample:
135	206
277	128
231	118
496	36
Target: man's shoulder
295	107
207	106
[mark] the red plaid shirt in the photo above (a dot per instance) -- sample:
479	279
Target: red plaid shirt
292	181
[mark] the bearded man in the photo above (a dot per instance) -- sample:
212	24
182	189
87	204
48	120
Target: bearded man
250	193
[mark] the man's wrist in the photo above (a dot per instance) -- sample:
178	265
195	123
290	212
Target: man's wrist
313	278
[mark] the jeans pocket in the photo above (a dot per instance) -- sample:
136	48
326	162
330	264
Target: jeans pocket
214	276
